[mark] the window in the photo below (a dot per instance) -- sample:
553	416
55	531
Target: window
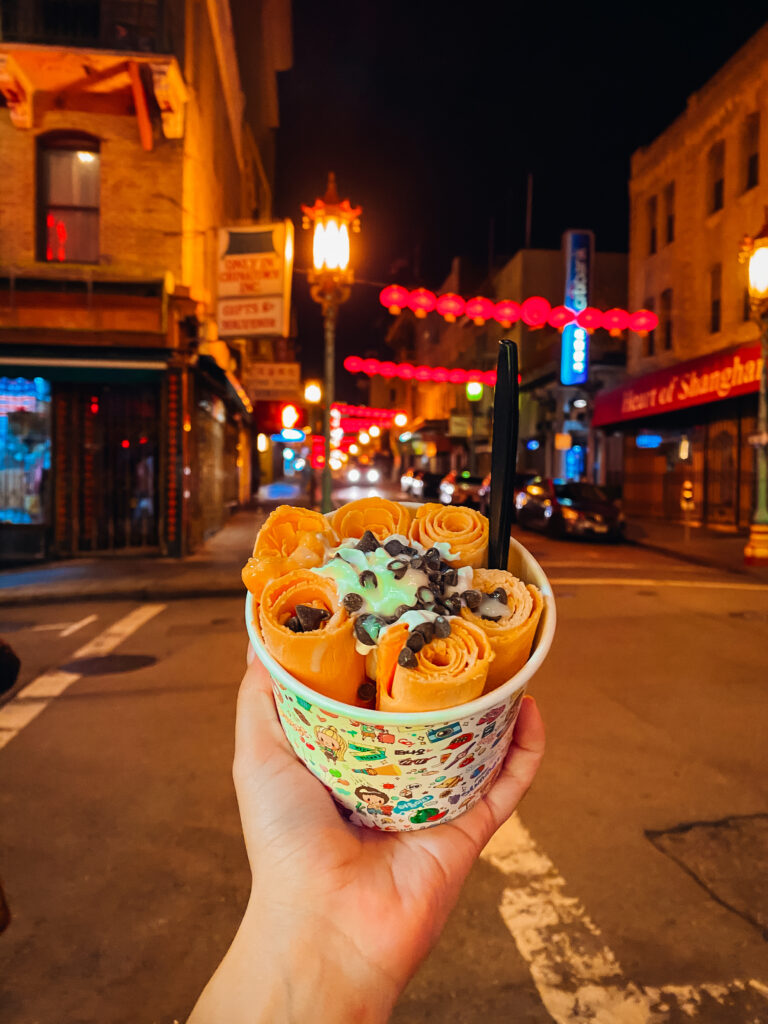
669	213
716	177
652	209
69	174
650	340
750	156
665	319
715	285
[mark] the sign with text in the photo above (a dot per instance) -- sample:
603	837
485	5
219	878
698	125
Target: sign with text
578	247
255	269
272	381
724	374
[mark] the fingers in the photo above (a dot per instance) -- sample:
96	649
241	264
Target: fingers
258	734
520	765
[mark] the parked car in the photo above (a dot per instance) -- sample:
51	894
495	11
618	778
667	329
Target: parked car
568	508
484	491
406	480
461	488
426	486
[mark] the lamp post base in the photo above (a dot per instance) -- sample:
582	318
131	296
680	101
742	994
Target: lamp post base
756	550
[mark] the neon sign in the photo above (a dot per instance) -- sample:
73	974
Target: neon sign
574	349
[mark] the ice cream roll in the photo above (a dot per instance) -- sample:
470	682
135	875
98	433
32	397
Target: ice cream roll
309	632
291	538
428	662
461	534
382	517
508	612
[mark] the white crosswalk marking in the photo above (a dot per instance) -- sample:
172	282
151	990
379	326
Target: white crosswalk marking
29	702
578	977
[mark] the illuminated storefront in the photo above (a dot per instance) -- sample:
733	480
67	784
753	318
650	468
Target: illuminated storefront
25	450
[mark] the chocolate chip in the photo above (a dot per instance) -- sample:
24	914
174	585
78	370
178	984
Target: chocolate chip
401	610
367	542
453	604
409	552
450	577
435	576
501	595
415	641
442	628
491	618
294	625
398	567
407	658
368	579
394	547
425	596
352	602
310	617
366	692
417	562
432	558
472	599
426	629
361	632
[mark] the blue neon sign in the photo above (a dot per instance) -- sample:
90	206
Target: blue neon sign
649	440
574	348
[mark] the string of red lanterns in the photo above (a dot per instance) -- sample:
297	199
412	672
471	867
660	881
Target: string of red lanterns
535	311
371	414
407	371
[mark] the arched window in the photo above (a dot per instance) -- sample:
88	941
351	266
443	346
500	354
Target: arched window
69	173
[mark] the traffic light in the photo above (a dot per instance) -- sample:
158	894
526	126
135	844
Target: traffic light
289	416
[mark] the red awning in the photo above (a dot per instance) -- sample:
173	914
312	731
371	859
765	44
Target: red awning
718	375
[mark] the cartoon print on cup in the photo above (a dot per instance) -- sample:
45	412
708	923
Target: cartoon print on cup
331	742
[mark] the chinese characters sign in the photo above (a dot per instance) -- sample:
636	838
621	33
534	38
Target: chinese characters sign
272	381
255	268
574	349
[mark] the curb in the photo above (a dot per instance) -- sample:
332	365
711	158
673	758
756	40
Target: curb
143	594
691	559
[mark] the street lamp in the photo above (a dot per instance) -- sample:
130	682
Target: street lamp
754	252
313	393
330	282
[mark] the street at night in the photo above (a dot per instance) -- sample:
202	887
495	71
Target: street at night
122	856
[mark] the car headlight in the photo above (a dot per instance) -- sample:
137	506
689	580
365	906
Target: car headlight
354	475
569	513
372	476
448	488
404	483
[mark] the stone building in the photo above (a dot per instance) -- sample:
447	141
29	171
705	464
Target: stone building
689	406
126	142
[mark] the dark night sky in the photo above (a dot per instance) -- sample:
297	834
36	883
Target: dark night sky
432	114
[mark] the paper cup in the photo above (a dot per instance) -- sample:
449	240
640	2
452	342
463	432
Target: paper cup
402	772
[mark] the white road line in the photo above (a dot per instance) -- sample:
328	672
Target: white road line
79	625
29	702
578	977
623	581
67	628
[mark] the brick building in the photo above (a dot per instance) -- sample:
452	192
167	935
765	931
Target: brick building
126	142
690	404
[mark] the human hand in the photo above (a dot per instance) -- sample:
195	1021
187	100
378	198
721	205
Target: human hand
340	916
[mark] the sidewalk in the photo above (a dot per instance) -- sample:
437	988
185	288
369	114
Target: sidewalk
715	549
213	570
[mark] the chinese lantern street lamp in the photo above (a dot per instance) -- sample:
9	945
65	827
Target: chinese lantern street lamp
754	252
330	281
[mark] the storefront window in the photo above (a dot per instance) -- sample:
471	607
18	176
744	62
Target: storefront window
25	449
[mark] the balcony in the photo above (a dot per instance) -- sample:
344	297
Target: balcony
137	26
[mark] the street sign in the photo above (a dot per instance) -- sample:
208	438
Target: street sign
255	269
271	381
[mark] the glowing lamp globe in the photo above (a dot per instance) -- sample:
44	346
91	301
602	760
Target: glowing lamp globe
450	306
405	371
400	419
506	312
422	301
534	311
423	373
758	271
370	367
395	298
479	309
560	316
388	370
440	374
474	390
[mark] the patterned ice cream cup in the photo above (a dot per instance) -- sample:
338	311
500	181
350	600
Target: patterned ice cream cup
401	772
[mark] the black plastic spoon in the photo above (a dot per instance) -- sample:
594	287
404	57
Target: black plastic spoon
506	422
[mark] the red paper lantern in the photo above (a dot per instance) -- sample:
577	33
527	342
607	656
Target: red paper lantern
353	363
643	321
371	367
479	309
450	306
489	378
535	311
506	312
405	371
457	376
559	316
615	321
423	373
590	318
388	369
395	298
476	376
440	374
422	301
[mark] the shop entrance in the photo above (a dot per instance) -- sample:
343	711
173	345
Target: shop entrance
114	468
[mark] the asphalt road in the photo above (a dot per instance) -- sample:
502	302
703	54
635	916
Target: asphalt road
630	888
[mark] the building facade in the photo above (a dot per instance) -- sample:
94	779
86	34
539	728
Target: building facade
127	142
689	407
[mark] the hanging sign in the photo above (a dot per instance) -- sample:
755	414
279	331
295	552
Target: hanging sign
574	347
255	271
